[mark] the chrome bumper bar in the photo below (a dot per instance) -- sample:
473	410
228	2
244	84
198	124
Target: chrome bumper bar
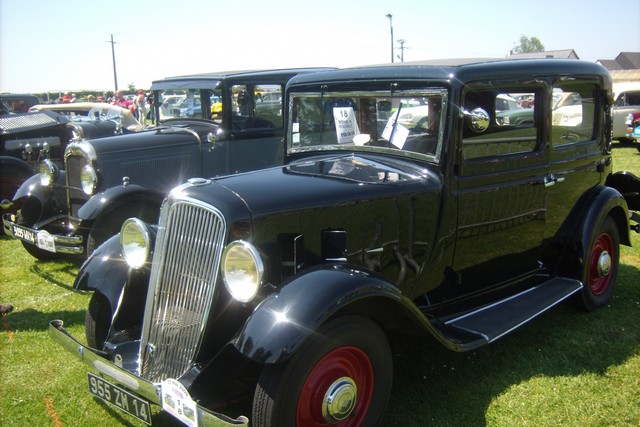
134	384
71	245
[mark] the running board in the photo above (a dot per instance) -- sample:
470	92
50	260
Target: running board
482	326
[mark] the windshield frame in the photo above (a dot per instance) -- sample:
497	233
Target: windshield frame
294	95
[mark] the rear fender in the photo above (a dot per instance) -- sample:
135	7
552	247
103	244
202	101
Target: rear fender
629	186
283	322
605	201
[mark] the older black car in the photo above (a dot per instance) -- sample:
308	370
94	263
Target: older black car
27	139
285	283
208	125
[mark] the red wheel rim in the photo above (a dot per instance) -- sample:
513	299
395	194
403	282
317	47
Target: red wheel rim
600	277
350	362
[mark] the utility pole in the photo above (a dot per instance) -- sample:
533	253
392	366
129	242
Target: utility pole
402	48
390	16
113	56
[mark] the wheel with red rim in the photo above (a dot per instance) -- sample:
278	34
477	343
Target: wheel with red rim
341	377
601	265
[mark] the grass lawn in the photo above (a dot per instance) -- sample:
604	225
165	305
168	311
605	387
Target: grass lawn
566	368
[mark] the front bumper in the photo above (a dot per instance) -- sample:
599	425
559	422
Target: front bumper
56	243
132	383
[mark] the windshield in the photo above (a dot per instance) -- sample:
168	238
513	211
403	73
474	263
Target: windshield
188	103
407	123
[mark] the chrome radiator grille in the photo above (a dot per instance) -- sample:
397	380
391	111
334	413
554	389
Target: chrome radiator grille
73	165
181	288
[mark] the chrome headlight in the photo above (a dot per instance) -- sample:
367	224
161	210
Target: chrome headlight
88	179
242	270
135	240
48	173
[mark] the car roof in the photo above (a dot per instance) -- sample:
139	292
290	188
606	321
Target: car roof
195	81
461	70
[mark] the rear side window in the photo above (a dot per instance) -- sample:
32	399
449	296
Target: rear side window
573	112
510	124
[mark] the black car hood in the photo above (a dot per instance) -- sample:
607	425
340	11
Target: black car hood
326	181
143	141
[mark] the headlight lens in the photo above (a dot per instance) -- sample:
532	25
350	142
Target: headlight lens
242	270
89	179
48	173
135	240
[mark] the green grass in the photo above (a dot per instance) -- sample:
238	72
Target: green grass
566	368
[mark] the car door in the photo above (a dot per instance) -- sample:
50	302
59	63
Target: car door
257	114
576	162
501	196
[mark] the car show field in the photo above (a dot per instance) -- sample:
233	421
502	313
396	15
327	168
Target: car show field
566	368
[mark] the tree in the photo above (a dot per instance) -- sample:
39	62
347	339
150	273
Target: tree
528	45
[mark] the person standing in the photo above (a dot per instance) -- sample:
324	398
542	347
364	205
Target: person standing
141	106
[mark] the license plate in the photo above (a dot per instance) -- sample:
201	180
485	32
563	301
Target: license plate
24	234
41	239
120	398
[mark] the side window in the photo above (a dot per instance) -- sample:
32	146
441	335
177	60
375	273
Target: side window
256	106
500	123
573	112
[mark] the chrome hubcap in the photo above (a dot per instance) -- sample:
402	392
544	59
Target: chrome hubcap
604	264
339	400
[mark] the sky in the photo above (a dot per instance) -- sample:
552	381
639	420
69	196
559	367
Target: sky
60	46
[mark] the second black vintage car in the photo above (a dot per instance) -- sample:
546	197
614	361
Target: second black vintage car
208	125
404	207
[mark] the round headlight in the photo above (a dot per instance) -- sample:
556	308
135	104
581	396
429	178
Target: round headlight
135	241
48	173
242	270
88	179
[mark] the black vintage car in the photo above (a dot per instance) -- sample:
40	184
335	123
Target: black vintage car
285	283
206	125
27	139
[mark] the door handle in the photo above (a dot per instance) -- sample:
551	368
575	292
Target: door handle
551	180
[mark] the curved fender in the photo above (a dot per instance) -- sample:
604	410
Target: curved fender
101	274
283	321
608	201
32	188
19	164
114	197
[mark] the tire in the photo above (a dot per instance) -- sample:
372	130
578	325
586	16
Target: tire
10	180
347	356
600	269
40	254
97	321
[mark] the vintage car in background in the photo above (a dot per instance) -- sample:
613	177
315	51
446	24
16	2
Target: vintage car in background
285	283
70	211
26	140
627	102
95	120
17	102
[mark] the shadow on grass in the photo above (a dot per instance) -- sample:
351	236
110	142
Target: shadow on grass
34	320
434	386
51	270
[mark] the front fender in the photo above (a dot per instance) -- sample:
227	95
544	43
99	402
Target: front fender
105	272
116	197
32	188
283	321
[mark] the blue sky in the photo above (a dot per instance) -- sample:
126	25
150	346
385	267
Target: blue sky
64	45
